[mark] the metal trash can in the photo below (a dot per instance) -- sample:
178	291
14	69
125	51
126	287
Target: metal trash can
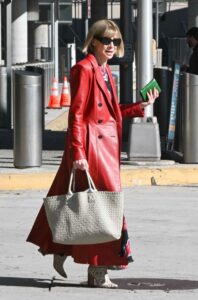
47	75
39	70
190	115
27	119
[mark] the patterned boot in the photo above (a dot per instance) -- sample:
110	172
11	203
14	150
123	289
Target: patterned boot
98	277
58	262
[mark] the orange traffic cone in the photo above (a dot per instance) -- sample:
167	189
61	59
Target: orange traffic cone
54	101
65	96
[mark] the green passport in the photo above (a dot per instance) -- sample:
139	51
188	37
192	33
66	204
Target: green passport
149	86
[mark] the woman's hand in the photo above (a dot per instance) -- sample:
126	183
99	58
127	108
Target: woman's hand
152	95
81	164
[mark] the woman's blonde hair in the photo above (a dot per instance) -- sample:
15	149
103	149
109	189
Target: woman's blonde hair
98	29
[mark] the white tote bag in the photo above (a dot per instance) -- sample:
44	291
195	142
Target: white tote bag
88	217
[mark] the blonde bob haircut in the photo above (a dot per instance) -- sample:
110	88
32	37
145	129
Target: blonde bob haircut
99	29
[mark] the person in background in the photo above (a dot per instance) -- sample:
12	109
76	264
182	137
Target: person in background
192	41
93	142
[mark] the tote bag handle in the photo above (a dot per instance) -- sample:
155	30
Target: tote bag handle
91	185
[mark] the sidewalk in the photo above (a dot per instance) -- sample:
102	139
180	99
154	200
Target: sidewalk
132	174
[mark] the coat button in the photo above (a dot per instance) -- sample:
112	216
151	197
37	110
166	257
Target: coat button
100	104
99	121
100	136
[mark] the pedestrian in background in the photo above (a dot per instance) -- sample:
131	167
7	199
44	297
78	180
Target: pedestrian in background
93	142
192	41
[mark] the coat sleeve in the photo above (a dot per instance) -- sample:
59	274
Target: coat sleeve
131	110
79	84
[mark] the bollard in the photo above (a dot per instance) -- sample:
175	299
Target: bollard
190	113
27	119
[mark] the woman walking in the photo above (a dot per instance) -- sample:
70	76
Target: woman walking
92	142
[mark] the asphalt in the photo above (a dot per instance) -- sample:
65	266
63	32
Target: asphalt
162	224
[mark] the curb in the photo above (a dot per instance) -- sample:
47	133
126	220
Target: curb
169	176
27	181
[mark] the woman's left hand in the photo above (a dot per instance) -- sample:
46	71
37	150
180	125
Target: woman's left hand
81	164
152	95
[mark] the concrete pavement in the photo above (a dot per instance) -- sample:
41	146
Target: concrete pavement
162	223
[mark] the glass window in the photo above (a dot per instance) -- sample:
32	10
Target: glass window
65	12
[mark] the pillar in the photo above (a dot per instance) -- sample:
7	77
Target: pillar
144	137
19	32
192	13
144	53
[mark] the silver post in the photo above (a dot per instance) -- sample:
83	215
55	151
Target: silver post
56	56
144	37
52	33
56	23
0	35
157	23
144	138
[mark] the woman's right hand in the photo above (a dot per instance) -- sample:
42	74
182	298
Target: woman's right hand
152	95
81	164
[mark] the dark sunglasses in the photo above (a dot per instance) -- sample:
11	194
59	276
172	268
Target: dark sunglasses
107	41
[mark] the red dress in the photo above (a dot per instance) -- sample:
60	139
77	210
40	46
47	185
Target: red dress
94	133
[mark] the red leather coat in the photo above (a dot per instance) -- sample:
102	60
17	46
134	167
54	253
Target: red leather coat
94	133
95	122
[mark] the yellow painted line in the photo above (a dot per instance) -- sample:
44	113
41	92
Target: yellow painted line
129	177
166	176
26	181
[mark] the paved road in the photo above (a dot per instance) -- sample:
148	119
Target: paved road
163	224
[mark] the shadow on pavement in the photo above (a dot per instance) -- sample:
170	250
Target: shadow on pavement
155	284
124	283
24	282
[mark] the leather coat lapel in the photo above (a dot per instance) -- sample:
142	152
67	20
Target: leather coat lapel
114	96
100	80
